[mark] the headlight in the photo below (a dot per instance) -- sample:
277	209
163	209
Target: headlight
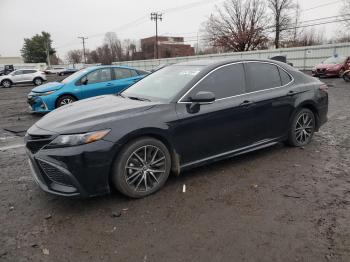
47	93
78	139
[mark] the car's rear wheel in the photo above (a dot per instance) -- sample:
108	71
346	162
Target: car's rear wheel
141	168
302	128
6	83
341	72
65	100
37	81
346	77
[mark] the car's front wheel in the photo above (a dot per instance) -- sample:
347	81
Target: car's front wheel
6	83
37	81
141	168
65	100
302	128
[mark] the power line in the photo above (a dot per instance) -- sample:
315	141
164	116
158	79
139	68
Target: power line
318	6
295	27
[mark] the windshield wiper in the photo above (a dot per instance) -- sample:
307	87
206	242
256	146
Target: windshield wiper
138	98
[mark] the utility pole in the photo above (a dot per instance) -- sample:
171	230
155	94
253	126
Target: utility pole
48	53
83	38
155	17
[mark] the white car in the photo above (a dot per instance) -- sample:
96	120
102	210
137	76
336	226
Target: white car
22	76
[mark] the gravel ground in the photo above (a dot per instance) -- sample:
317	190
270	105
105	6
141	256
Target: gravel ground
277	204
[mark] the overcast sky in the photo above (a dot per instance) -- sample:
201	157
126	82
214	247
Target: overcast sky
68	19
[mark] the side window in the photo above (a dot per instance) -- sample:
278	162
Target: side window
224	82
142	72
100	75
29	71
121	73
262	76
19	72
285	78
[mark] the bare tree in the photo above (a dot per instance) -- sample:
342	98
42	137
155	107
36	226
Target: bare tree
238	26
115	46
75	56
281	17
345	12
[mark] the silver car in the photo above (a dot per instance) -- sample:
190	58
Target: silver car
22	76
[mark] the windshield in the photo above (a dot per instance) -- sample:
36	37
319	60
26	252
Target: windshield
334	60
74	76
164	84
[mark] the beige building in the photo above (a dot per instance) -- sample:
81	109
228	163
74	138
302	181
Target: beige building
10	60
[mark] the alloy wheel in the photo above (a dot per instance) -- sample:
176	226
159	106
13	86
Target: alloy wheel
6	83
66	101
304	128
38	82
144	168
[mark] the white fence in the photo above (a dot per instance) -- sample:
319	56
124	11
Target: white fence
303	58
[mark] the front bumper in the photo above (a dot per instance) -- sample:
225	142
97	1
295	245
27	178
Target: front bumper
79	171
324	72
37	104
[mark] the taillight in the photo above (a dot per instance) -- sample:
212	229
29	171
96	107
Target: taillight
324	88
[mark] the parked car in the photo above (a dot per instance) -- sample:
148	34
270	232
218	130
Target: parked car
333	66
67	71
7	69
54	70
178	117
23	76
346	76
89	82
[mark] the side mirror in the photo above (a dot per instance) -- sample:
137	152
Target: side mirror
203	97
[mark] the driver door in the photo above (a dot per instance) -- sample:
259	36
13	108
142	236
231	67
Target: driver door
17	76
219	127
96	83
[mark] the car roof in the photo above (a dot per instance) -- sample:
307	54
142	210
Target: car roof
107	66
223	61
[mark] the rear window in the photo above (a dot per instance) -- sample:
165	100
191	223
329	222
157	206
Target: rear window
262	76
285	78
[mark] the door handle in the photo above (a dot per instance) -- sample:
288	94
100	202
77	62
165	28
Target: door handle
247	103
291	93
109	84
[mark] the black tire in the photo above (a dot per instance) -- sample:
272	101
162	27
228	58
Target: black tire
38	81
346	77
132	177
6	83
65	100
302	128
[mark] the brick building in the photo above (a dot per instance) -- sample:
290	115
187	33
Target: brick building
167	47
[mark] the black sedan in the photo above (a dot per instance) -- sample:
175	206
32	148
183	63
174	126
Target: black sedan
179	117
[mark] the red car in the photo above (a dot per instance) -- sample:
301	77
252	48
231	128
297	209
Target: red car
333	66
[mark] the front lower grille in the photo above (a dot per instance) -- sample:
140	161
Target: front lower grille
36	142
55	174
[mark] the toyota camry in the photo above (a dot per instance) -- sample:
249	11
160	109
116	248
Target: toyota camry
176	118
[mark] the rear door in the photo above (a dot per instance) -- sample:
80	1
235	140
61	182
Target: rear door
28	75
270	89
123	78
216	128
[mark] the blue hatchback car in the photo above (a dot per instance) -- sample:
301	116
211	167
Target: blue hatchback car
89	82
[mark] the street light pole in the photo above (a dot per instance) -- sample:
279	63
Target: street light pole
155	17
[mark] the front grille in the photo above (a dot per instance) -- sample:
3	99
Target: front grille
36	142
54	174
321	70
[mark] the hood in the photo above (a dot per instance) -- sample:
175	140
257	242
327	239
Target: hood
52	86
83	115
326	66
